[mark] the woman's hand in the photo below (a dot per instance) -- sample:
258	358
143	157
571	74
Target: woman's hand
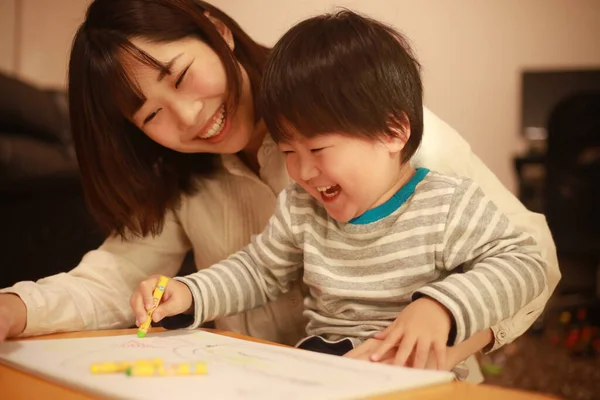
177	299
13	316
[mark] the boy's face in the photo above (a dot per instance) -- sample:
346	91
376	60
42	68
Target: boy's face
347	175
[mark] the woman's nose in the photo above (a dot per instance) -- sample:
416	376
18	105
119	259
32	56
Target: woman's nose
188	113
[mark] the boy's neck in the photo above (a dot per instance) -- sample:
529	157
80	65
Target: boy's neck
404	175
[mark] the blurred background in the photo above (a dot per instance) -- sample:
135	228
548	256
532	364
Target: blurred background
519	80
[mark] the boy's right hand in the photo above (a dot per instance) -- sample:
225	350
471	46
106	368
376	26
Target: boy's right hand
177	299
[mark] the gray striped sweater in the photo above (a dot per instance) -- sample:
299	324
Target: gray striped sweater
444	239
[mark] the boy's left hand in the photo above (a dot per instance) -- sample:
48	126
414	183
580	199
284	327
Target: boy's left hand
423	326
364	351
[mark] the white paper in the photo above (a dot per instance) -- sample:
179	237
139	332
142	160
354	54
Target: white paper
237	369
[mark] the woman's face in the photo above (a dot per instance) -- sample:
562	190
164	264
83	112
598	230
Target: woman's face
185	111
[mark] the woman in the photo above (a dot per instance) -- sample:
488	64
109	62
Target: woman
174	157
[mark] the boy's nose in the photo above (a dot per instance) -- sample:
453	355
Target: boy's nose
308	170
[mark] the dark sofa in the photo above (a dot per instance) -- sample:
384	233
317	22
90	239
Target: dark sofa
45	227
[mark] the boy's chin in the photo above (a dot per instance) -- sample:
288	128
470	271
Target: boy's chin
340	217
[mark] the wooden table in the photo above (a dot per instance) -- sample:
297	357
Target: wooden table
17	385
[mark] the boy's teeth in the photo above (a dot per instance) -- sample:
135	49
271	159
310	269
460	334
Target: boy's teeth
322	189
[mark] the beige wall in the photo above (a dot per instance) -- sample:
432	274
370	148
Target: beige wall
472	51
47	30
7	35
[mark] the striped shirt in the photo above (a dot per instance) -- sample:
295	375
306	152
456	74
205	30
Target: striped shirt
438	236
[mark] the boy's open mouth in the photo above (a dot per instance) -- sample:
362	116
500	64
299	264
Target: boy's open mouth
329	193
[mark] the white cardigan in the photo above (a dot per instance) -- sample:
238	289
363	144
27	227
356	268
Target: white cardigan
219	220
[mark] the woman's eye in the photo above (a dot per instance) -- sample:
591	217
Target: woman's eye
150	117
316	150
286	152
181	76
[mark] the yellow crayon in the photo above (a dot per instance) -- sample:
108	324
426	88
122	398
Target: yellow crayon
194	368
156	296
109	367
120	366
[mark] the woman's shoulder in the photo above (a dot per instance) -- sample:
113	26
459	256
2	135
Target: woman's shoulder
442	148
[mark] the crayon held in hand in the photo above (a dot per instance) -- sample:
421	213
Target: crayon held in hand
156	296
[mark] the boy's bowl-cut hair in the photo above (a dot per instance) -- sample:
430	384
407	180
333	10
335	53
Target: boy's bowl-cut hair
342	73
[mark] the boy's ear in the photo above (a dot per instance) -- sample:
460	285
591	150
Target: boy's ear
222	29
400	128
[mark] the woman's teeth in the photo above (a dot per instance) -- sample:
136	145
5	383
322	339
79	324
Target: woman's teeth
218	123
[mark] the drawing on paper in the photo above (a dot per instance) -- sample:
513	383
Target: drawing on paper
237	369
265	362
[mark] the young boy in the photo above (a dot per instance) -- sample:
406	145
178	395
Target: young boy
377	243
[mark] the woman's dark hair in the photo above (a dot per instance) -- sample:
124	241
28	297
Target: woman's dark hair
130	182
342	73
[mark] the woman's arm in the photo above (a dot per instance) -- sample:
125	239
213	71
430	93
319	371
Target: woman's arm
95	294
465	349
444	150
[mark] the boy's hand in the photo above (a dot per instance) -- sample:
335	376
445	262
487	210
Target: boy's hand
423	326
176	299
364	351
370	346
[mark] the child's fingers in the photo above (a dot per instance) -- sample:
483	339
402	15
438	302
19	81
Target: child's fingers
361	352
389	342
421	353
364	351
167	294
174	304
405	349
388	358
165	309
146	289
439	347
137	305
384	333
173	301
160	312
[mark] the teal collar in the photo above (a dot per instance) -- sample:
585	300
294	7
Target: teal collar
394	203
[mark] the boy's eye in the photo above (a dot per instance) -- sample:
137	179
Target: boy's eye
316	150
286	152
